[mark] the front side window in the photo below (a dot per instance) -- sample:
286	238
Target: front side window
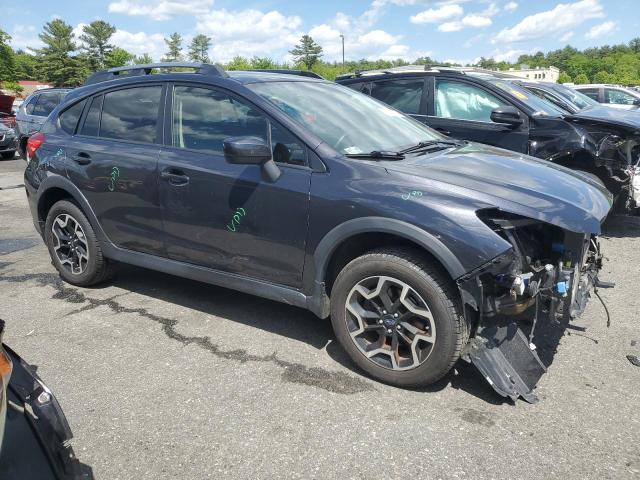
131	114
347	121
405	95
464	101
618	97
46	103
202	119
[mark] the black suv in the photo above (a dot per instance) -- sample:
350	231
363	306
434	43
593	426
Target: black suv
487	107
309	193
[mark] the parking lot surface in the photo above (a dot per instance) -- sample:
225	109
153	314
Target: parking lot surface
165	378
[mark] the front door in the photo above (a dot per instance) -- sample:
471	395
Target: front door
225	216
462	109
113	160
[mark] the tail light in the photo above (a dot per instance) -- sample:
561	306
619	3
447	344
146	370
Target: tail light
34	143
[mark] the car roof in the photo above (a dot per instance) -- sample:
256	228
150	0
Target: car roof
252	76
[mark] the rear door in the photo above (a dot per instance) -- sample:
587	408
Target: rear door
225	216
462	109
113	158
406	94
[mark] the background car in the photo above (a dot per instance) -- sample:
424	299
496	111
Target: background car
34	111
34	432
8	142
487	107
561	96
613	95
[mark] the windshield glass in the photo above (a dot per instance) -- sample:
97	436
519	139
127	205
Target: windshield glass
579	99
541	107
348	121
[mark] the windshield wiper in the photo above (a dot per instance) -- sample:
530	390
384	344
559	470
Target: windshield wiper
378	154
431	143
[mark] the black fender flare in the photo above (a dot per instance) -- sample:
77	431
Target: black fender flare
319	302
63	183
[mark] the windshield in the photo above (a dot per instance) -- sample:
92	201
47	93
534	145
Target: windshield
579	99
348	121
541	107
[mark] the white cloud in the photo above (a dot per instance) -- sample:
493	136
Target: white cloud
566	37
163	10
473	20
550	23
511	7
140	42
508	56
601	30
437	15
25	36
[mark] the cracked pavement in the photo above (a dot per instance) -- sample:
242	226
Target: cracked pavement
161	377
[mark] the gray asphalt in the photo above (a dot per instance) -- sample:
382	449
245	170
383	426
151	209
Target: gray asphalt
164	378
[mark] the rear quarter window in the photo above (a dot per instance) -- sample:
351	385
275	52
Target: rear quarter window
69	118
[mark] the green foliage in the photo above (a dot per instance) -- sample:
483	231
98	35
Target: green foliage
307	52
174	44
57	66
117	57
581	79
238	63
95	39
143	59
564	78
13	87
7	59
199	49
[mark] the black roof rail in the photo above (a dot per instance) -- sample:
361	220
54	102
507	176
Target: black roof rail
301	73
403	69
147	69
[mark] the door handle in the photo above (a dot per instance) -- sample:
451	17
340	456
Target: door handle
174	177
82	158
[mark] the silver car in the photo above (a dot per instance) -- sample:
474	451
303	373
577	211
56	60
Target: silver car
34	111
614	96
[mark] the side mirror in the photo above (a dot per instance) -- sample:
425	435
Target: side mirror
636	102
251	151
508	115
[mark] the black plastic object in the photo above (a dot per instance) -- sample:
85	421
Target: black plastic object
505	359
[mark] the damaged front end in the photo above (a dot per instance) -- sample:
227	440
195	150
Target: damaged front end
546	276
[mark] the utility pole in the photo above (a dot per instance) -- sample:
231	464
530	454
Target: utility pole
342	37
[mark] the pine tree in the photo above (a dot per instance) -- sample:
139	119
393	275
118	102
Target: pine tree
199	49
57	65
143	59
307	52
95	38
117	57
7	59
174	44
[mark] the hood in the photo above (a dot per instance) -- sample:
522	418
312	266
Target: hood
629	119
6	104
515	183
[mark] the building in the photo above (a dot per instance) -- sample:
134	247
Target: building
550	74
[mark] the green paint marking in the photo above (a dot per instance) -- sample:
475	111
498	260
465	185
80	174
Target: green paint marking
235	220
115	175
414	193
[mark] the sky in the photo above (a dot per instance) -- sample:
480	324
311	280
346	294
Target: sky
459	31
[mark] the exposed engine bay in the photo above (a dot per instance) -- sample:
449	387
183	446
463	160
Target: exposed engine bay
547	275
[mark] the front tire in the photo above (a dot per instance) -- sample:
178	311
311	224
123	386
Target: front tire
74	248
398	317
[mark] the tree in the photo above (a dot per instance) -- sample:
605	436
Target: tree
199	49
143	59
56	63
564	78
117	57
603	77
27	67
95	39
263	63
581	79
7	59
307	52
174	44
238	63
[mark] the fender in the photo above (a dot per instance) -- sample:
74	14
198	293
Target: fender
58	181
318	302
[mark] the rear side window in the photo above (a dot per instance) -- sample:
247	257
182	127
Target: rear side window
618	97
46	103
92	121
405	95
69	118
131	114
590	92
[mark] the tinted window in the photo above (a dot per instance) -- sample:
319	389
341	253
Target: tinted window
464	101
202	119
131	114
590	92
69	118
618	97
92	121
46	103
32	103
405	95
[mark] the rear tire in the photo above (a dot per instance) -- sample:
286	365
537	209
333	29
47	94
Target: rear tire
74	248
411	338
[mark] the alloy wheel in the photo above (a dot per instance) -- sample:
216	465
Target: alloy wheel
390	323
70	243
